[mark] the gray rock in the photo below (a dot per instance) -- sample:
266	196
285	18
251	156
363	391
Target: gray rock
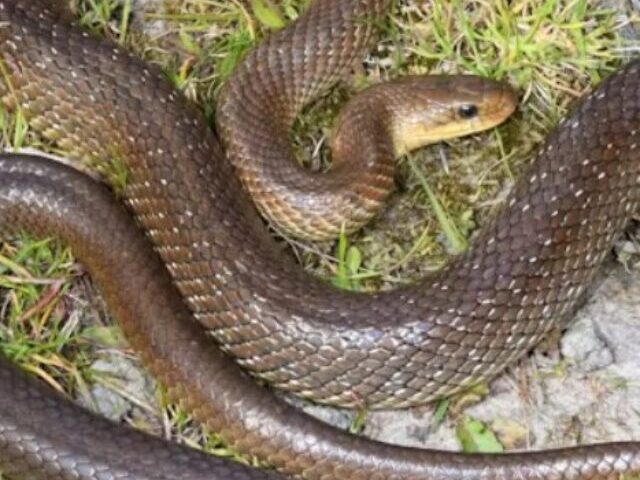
151	27
120	385
583	345
413	428
588	391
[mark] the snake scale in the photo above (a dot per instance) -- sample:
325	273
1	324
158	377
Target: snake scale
526	270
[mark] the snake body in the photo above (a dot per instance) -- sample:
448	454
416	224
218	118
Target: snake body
526	270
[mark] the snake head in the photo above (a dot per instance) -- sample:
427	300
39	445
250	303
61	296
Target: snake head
426	109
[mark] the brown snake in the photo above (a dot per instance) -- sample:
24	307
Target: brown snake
525	271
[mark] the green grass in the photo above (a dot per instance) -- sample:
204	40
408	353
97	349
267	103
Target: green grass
551	51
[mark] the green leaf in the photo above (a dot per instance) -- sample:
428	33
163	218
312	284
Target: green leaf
341	278
457	241
441	411
354	260
20	130
236	45
267	14
126	17
349	263
106	336
475	437
359	421
188	42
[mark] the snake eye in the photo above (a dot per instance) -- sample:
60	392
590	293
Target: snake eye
467	111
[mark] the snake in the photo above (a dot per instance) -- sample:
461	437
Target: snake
214	268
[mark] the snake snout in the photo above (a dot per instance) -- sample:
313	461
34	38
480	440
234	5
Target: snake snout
493	102
500	101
